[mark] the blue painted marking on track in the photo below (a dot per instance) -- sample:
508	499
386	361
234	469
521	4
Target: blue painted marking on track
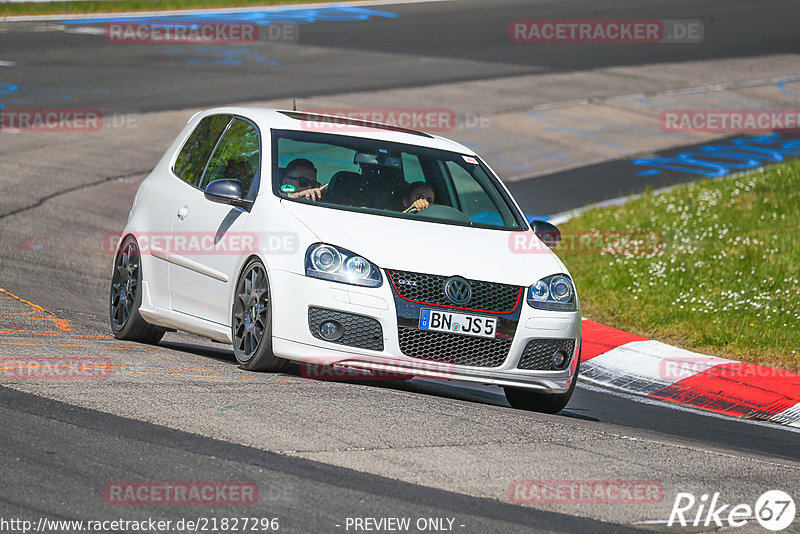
66	90
719	160
782	87
220	56
24	95
532	218
261	17
6	88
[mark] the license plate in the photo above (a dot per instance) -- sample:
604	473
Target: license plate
457	323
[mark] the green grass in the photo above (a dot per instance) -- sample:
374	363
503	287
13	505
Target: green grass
102	6
726	280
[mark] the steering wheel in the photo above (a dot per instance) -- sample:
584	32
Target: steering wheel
440	212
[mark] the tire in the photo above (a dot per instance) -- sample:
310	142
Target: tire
125	297
552	403
251	321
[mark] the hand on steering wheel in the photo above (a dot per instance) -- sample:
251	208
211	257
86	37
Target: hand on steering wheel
417	206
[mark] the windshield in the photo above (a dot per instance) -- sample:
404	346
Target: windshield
389	179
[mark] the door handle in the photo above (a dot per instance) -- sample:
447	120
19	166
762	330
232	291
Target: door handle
183	212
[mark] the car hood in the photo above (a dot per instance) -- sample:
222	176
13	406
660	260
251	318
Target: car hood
434	248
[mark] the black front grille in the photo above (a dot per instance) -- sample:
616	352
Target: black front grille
453	348
429	289
538	353
359	331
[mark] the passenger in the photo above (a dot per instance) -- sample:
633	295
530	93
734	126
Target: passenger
301	179
420	195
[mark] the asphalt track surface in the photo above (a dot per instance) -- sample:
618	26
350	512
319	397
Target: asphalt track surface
466	40
87	445
58	455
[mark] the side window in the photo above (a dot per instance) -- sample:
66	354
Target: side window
237	155
195	153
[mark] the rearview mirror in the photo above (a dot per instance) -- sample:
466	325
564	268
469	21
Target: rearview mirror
227	191
384	160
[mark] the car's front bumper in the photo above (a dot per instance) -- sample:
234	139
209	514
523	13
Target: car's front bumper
294	294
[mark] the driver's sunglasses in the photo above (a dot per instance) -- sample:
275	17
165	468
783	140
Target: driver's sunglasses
423	197
304	182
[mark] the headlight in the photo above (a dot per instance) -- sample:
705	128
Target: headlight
555	292
340	265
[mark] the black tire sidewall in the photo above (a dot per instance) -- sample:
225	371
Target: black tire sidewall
263	359
135	327
551	403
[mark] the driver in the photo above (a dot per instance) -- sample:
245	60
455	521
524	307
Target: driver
420	195
301	179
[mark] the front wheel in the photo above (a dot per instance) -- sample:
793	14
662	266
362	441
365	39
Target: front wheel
251	323
126	297
524	399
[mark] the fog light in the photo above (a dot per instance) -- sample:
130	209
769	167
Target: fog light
560	359
331	330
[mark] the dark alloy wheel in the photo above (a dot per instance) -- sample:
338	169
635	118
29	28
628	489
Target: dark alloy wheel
252	321
125	297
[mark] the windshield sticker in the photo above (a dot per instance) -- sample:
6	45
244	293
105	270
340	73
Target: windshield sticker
470	159
287	188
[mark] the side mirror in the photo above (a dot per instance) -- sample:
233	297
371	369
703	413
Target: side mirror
228	191
547	232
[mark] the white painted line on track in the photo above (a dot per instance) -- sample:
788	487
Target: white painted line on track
7	63
85	30
790	414
665	522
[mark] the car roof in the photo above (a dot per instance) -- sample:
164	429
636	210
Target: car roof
276	119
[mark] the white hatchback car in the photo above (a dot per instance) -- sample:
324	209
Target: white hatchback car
332	241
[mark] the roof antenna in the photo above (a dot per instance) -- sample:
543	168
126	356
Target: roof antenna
294	105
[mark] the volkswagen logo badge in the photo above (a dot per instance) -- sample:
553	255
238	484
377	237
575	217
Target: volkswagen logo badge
457	290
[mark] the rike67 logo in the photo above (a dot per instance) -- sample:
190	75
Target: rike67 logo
774	510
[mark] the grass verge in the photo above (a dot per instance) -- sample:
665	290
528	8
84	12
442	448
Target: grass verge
109	6
713	266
